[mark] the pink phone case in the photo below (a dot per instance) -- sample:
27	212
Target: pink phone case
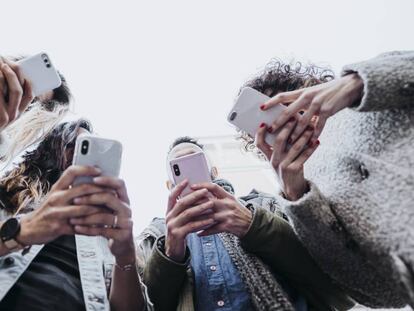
192	167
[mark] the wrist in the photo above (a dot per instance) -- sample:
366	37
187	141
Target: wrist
356	87
247	221
126	259
174	251
297	192
24	236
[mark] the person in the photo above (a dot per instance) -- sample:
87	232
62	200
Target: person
246	258
353	211
63	247
25	119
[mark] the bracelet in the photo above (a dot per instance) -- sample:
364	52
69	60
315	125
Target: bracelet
127	267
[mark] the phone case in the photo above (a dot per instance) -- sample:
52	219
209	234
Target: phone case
247	116
103	153
41	72
193	167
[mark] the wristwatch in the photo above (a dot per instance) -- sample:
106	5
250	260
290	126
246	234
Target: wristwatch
8	232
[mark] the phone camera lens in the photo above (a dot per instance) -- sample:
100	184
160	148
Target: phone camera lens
45	60
85	147
48	65
233	115
176	170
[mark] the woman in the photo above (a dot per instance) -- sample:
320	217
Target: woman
65	265
354	211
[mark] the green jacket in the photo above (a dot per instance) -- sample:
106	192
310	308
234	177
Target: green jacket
170	283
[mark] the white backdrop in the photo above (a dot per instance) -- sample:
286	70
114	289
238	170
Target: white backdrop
145	72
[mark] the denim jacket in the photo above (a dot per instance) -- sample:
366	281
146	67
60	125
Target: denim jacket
95	268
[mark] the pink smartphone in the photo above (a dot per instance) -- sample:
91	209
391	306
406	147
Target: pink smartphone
192	167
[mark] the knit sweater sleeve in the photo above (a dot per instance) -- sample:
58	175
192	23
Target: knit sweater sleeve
334	250
388	81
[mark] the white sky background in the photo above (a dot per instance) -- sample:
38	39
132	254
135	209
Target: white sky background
145	72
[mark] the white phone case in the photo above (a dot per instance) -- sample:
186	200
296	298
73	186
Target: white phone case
247	116
103	153
41	72
193	167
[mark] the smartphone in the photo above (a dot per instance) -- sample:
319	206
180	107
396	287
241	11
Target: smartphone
104	153
192	167
41	72
247	116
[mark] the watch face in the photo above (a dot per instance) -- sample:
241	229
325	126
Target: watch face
9	229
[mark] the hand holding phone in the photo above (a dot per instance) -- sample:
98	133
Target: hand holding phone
247	116
103	153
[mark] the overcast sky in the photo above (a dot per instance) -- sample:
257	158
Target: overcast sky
145	72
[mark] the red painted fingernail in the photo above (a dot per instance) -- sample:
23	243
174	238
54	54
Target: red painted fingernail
270	129
262	107
317	142
262	125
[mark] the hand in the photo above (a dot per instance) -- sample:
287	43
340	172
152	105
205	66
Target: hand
321	101
116	226
187	215
51	219
288	162
230	215
15	92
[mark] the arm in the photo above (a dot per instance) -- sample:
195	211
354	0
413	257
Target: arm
164	277
280	248
336	252
388	81
385	82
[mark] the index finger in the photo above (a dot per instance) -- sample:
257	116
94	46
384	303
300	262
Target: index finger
282	98
114	183
73	171
215	189
175	193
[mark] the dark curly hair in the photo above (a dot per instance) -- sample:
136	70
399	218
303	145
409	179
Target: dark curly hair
40	168
278	77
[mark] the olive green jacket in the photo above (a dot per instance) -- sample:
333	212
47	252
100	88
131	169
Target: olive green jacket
270	237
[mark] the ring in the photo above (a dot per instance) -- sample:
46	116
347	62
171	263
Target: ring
115	223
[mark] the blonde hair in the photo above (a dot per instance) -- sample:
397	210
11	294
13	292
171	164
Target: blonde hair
29	129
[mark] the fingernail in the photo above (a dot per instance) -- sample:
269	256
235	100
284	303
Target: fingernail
270	129
317	142
262	107
262	125
77	200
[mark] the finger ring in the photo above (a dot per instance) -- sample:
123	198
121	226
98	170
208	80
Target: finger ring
115	223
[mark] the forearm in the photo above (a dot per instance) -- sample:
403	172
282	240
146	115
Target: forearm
388	81
126	292
164	278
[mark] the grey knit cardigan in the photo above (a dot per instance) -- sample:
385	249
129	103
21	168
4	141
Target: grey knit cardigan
357	221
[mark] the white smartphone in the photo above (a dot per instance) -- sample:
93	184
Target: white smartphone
192	167
41	72
247	116
104	153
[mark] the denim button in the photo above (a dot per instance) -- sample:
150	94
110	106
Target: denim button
363	171
213	268
407	89
220	303
8	261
